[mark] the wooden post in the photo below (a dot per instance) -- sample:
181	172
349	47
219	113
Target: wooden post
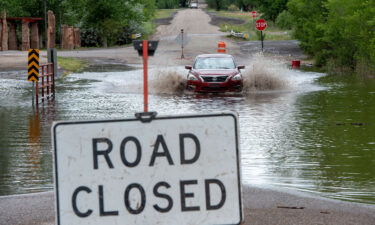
34	35
77	38
4	32
25	36
63	36
51	33
12	42
70	38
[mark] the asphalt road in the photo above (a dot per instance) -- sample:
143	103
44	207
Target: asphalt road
261	207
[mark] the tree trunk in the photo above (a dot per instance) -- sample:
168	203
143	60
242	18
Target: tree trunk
105	42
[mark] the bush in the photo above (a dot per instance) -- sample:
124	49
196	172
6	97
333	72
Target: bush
285	20
217	4
167	4
338	33
90	37
233	8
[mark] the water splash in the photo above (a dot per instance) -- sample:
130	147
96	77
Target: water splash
168	81
265	74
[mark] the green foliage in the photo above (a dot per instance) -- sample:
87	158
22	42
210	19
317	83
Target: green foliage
233	8
99	20
272	8
285	20
339	33
247	5
167	4
218	4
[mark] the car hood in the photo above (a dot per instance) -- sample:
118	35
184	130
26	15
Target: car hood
216	72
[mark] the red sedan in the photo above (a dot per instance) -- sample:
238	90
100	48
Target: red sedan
214	73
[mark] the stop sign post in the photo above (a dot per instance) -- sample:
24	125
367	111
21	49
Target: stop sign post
261	25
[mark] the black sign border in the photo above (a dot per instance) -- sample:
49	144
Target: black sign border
156	118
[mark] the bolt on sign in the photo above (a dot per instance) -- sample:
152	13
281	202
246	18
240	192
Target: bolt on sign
172	170
33	65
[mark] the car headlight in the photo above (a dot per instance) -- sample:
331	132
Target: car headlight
192	77
237	77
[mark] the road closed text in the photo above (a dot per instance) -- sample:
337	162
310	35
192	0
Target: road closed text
161	195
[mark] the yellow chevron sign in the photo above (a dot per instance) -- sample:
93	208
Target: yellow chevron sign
33	66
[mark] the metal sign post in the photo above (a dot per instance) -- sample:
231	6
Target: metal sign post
182	44
145	76
145	48
182	40
261	25
168	170
261	39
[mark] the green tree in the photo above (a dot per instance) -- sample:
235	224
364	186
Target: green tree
272	8
217	4
247	5
337	32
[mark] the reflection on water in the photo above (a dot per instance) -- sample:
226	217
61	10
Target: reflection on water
309	136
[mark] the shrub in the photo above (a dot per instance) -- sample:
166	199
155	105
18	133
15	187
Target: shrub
90	37
233	8
285	20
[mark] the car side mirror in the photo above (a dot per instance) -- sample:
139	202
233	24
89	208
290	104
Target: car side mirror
240	67
188	67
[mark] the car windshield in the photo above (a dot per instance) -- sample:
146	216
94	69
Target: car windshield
214	63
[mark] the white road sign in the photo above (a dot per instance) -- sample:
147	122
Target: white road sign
172	170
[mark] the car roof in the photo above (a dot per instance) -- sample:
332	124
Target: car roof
214	56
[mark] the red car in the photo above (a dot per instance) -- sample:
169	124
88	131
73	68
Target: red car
214	73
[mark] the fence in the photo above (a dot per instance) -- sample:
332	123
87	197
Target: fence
46	84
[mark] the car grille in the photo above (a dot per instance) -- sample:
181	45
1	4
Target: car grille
214	89
214	78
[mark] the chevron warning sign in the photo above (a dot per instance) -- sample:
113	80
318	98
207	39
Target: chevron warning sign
33	66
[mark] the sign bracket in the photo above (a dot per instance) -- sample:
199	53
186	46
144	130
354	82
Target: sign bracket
146	117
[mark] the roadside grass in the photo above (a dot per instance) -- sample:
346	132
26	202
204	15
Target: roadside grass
271	33
71	65
160	15
164	13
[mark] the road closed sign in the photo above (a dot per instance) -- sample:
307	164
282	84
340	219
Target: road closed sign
171	170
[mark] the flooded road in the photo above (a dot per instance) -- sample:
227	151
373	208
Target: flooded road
309	134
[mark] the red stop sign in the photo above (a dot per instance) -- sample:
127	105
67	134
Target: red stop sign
261	24
254	14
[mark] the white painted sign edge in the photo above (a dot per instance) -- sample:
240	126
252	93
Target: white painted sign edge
55	124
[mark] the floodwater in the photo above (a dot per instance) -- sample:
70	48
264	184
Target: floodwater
299	130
